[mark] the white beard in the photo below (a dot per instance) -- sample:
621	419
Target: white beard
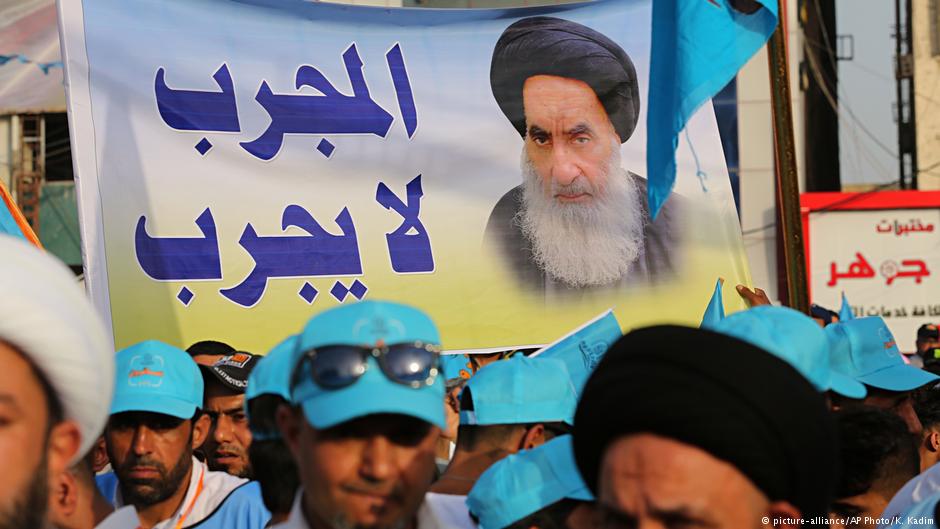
583	244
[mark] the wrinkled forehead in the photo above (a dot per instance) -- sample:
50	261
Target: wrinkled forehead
220	398
547	99
159	423
643	471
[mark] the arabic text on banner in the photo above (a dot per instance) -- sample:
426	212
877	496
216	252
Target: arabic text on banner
244	165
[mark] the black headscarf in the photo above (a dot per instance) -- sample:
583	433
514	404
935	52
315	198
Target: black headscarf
552	46
729	398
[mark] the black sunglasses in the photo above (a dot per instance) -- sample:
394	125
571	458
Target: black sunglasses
413	364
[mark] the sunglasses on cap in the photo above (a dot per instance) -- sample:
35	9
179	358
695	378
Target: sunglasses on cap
413	364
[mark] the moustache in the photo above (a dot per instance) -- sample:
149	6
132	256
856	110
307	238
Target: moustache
578	186
229	449
142	462
392	491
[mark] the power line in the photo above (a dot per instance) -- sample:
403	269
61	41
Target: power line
830	207
814	68
874	73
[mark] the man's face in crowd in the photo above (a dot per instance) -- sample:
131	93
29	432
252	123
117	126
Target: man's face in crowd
926	344
226	447
652	481
584	516
30	451
151	453
859	511
452	413
897	402
371	472
569	139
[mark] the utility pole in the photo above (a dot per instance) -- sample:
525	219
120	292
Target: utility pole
904	77
819	79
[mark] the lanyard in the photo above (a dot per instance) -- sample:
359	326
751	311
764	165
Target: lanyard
179	524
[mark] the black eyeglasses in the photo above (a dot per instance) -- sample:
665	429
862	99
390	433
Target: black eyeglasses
414	364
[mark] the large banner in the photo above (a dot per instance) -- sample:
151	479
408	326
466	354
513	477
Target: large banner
244	165
889	266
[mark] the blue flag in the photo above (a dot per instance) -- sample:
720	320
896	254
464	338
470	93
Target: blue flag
715	311
583	348
845	312
697	48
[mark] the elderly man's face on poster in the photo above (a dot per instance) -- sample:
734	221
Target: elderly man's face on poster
577	222
569	138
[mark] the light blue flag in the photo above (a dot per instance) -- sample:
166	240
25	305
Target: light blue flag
8	224
845	312
715	311
697	48
583	348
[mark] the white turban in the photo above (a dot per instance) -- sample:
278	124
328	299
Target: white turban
44	313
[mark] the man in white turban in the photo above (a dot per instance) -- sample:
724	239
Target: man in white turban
56	379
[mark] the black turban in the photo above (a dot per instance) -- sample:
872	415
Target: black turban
552	46
729	398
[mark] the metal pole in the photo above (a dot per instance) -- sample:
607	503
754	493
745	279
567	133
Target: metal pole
899	83
788	188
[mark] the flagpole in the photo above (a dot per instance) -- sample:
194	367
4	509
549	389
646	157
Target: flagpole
788	188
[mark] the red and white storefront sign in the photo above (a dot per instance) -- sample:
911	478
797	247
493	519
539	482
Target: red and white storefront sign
882	249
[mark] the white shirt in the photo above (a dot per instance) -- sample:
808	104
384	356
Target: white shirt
203	502
914	491
297	520
123	518
447	511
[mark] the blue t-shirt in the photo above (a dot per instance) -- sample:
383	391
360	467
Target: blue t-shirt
921	515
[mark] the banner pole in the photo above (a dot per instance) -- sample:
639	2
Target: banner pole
788	188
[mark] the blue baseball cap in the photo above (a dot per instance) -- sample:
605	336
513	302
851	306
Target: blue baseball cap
272	373
452	365
368	324
159	378
522	484
521	390
865	350
793	337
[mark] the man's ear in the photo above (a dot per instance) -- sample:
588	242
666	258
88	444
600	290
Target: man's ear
63	494
534	436
64	440
782	514
99	455
933	440
288	422
201	428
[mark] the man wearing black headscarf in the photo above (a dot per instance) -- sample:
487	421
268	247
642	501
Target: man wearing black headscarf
578	221
709	430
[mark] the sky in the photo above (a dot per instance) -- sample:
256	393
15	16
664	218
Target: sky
867	90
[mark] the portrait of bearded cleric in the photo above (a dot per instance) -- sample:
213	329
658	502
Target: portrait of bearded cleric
578	221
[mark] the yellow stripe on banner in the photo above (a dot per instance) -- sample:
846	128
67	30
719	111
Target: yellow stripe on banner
18	217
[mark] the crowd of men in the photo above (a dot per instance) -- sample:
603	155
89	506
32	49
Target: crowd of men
765	418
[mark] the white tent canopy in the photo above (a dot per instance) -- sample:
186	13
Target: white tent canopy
28	29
